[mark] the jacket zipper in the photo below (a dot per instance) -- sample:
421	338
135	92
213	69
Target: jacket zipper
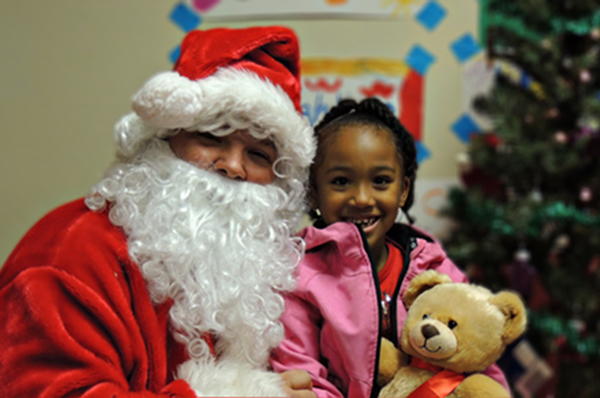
394	303
375	387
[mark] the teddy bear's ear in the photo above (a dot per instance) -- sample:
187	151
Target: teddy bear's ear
514	312
422	282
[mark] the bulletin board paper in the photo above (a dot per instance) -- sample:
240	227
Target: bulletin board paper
478	79
431	195
326	81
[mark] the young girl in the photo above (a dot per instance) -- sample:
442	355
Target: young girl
358	260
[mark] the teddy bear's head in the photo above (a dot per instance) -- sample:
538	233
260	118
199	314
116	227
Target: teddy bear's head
458	326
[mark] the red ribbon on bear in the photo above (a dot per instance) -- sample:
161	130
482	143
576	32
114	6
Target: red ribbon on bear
440	385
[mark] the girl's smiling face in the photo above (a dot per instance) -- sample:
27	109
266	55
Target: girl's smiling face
359	179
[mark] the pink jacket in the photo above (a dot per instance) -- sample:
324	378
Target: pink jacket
333	318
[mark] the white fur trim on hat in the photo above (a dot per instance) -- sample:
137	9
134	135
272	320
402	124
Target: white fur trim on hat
170	101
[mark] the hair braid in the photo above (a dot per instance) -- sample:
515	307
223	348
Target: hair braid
343	107
371	111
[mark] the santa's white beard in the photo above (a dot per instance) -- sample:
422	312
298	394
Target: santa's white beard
221	249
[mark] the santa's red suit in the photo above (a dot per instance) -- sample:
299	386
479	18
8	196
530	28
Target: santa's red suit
81	317
167	279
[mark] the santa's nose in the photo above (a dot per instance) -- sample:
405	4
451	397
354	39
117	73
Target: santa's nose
230	163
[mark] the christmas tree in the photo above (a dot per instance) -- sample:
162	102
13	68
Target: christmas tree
527	215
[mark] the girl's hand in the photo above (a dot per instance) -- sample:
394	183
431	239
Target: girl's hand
298	384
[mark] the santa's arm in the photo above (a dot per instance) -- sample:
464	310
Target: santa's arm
229	377
60	338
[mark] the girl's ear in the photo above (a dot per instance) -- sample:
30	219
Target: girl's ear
405	191
314	211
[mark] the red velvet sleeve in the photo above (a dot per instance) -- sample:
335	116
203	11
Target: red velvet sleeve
77	322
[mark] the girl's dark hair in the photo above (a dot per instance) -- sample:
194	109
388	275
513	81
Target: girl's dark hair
369	111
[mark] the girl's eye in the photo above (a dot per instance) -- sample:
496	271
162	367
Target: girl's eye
382	180
452	324
340	181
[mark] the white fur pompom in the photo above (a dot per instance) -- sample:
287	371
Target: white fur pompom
131	133
168	100
229	378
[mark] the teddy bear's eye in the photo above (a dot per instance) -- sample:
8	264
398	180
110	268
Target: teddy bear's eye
425	316
452	324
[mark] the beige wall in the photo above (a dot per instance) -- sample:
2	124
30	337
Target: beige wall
69	67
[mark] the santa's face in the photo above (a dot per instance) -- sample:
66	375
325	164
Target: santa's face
238	155
222	249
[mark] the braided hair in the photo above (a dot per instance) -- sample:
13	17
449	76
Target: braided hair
370	111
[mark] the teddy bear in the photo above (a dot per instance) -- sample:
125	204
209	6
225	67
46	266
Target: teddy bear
453	331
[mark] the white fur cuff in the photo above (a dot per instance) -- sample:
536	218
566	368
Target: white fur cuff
230	379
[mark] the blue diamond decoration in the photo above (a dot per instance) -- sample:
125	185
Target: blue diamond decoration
431	15
465	47
419	59
422	152
184	17
174	54
464	127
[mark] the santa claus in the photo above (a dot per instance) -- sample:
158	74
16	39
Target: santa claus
166	279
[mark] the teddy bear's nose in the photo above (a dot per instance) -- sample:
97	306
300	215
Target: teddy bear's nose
429	331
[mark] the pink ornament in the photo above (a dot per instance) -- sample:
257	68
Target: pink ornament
560	137
585	194
585	76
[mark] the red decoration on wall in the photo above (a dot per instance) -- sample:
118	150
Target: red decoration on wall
323	85
378	88
411	100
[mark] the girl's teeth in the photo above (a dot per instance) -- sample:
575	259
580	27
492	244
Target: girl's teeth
363	223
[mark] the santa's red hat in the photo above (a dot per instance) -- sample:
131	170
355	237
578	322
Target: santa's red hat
242	78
